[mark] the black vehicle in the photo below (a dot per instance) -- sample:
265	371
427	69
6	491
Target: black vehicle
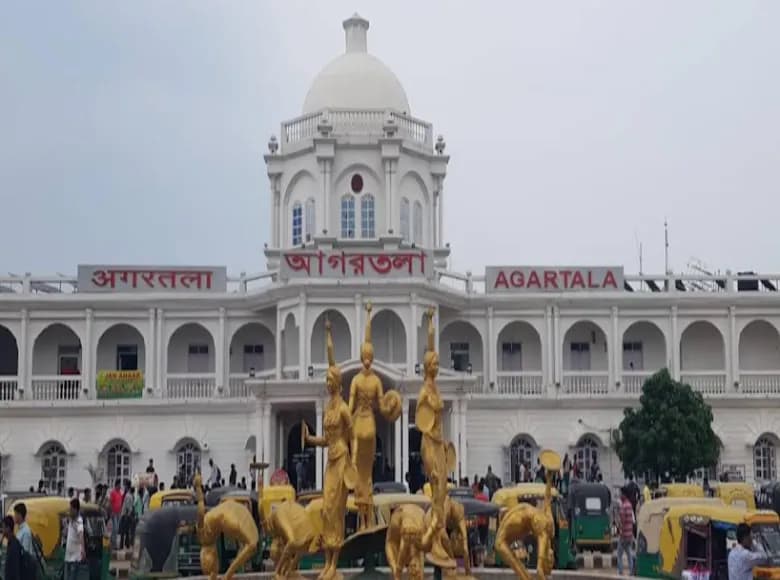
481	534
214	496
164	545
389	487
588	509
459	492
768	497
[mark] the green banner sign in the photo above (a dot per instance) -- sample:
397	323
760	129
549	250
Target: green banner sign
120	384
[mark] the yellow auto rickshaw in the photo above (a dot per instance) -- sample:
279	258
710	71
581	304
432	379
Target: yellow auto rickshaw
171	497
678	490
736	494
427	489
698	536
533	493
47	518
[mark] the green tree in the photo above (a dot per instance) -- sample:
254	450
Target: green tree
670	431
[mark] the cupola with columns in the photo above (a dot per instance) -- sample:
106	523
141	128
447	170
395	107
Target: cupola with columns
356	169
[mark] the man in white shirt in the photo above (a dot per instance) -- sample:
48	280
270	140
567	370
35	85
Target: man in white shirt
215	475
742	559
75	551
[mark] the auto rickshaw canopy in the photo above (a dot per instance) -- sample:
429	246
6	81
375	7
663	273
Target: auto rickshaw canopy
508	497
579	494
273	494
171	496
651	515
736	494
679	490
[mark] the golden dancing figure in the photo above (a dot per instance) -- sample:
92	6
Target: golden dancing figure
292	533
365	393
403	547
525	520
458	542
340	473
435	452
230	519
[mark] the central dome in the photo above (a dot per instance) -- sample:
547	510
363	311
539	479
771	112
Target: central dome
356	80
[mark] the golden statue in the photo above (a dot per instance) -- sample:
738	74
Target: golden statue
340	474
458	542
292	533
525	520
437	456
403	546
230	519
365	393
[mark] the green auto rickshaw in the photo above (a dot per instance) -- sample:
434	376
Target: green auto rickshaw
588	508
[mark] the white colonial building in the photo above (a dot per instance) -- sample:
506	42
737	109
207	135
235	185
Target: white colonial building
226	367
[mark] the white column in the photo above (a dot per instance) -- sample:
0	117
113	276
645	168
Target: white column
266	442
25	360
398	456
318	450
150	373
490	351
733	346
547	352
219	355
675	358
388	195
259	429
463	460
302	336
162	359
557	343
326	202
278	212
613	352
440	195
437	329
405	438
279	338
435	219
88	360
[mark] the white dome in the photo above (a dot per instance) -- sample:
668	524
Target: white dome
356	80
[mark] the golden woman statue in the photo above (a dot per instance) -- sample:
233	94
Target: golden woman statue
366	393
231	519
339	473
525	520
434	451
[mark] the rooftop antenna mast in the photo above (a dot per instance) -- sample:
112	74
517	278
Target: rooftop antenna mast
666	247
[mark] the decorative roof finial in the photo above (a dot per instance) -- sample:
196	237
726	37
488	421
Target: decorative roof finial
356	29
273	145
440	145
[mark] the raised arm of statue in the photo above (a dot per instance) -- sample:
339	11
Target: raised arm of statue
329	343
313	440
431	331
198	485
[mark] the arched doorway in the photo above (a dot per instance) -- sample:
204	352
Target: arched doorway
522	452
300	464
9	365
389	337
586	457
585	359
342	338
57	364
703	357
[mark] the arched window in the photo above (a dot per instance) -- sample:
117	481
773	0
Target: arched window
586	456
187	461
54	464
310	221
348	217
118	463
367	216
405	232
521	453
418	223
764	455
297	224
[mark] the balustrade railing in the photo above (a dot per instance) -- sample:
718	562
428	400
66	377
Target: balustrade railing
523	384
191	386
759	382
705	382
57	388
9	388
633	381
588	383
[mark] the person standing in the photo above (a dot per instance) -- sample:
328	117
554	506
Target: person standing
23	533
626	540
75	550
633	492
215	477
742	559
233	475
115	500
13	552
566	474
126	521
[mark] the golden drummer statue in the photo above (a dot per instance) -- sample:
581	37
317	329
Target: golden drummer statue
435	452
365	393
339	472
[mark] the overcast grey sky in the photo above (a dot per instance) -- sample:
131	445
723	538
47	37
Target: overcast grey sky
133	132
